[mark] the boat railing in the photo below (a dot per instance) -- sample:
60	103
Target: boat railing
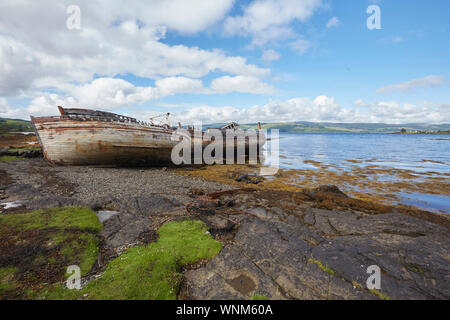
120	119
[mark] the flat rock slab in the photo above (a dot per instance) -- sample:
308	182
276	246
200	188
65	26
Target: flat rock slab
329	260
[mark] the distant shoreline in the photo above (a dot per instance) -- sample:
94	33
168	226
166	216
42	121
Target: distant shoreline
424	132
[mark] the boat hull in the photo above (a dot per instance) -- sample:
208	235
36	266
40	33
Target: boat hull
74	142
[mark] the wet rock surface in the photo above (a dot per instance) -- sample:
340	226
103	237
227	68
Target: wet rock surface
301	252
282	245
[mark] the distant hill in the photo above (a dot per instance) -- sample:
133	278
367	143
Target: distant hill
15	125
324	127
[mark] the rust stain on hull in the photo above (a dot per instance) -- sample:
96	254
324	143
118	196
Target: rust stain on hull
90	142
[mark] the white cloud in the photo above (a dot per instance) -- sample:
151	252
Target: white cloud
45	105
4	106
391	39
394	112
246	84
6	111
37	50
173	85
18	67
266	20
334	22
426	82
301	46
270	55
319	109
179	15
108	93
112	93
105	94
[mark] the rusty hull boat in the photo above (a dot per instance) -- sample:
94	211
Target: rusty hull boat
88	137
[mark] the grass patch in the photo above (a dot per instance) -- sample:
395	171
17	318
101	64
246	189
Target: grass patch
64	218
322	266
7	282
151	271
8	158
38	246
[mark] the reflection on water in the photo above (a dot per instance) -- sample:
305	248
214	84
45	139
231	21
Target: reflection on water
13	204
440	203
386	158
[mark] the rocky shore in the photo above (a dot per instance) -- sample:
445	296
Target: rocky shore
302	244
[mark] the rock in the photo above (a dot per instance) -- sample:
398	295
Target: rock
20	191
261	213
125	229
230	276
148	236
25	153
103	202
49	202
328	258
104	215
330	189
249	178
4	152
141	205
149	206
196	192
32	153
218	223
5	180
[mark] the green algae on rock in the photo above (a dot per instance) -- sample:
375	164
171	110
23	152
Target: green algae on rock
151	271
37	247
8	158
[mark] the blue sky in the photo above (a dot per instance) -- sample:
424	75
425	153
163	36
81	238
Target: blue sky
239	61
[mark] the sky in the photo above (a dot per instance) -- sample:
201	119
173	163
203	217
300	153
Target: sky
217	61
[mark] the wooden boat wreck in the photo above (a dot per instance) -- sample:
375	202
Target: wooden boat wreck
89	137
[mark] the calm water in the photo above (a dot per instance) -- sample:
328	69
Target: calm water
419	153
398	151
